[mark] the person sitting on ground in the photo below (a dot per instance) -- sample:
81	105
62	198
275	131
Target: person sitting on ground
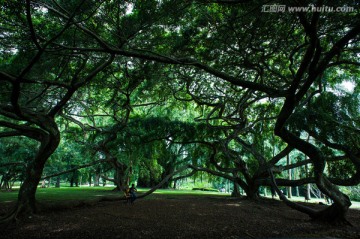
273	192
132	193
127	193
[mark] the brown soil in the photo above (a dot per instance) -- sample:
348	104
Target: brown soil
180	217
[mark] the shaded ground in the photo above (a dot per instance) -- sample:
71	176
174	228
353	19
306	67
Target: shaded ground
163	216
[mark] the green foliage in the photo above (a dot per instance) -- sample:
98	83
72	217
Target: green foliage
354	193
341	169
16	154
183	78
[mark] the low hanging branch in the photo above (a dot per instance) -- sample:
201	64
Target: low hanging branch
311	212
322	214
285	182
164	181
185	176
212	172
74	169
12	164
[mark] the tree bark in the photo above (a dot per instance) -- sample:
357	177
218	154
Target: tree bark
336	212
26	204
90	179
251	190
236	191
97	178
289	194
57	184
165	179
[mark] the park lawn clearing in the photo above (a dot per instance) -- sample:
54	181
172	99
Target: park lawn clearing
96	193
63	194
93	193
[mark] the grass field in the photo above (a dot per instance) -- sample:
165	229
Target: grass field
93	193
64	193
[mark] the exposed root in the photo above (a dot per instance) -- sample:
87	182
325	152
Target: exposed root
19	212
333	215
10	219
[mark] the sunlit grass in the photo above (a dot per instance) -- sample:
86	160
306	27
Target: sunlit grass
93	193
64	193
74	193
89	193
188	192
8	196
355	205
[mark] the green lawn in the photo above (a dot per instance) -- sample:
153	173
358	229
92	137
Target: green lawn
64	193
183	192
84	193
92	193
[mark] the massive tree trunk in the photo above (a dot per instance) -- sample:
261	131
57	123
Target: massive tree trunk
252	193
97	177
337	211
236	191
97	180
121	175
74	176
26	204
251	190
313	64
119	178
166	184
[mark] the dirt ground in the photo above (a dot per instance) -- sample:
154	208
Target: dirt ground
180	217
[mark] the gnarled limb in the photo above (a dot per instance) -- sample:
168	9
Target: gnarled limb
26	204
165	179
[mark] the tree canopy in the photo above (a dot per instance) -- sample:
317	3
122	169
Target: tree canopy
159	90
